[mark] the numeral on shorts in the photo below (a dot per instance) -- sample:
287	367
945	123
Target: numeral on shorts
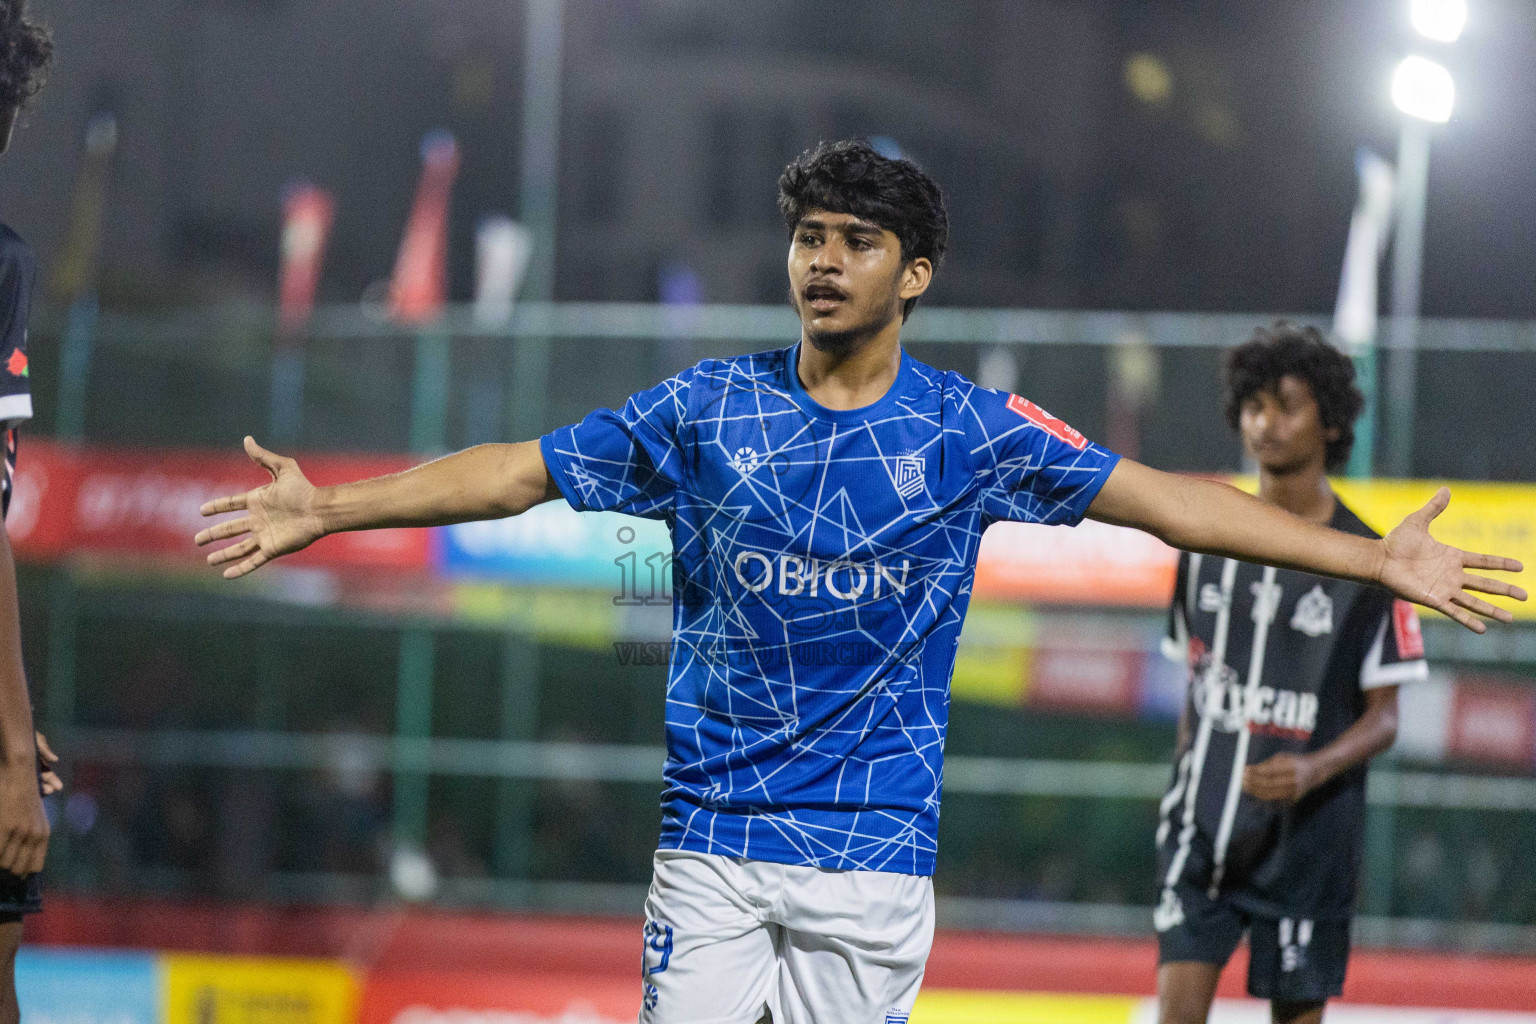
1293	954
658	940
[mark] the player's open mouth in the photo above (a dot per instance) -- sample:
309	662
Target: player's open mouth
823	298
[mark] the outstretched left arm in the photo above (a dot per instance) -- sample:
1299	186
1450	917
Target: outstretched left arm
1216	519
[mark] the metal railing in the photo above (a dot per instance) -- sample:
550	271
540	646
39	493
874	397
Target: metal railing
635	763
205	377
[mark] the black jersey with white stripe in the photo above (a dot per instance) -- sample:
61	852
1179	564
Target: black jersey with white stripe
18	272
1278	661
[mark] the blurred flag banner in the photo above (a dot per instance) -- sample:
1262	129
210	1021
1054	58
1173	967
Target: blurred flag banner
419	286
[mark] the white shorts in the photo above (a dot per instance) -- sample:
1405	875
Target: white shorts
726	939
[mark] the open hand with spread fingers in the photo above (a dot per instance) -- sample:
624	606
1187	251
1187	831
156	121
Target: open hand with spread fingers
1419	568
280	518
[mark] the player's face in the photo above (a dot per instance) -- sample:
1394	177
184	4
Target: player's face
847	278
1283	428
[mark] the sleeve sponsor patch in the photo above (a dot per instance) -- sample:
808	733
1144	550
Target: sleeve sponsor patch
1406	631
1046	422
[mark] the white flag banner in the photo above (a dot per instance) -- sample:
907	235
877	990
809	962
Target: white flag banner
503	248
1354	318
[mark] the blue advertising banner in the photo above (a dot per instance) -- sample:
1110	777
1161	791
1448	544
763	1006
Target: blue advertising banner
64	986
554	544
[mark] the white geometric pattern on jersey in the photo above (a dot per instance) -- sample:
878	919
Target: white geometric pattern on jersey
809	542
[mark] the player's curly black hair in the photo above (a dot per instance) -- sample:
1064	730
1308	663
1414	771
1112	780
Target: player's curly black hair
26	50
851	177
1286	349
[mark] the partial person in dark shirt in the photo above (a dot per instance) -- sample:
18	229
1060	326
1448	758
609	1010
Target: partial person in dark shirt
1293	683
25	52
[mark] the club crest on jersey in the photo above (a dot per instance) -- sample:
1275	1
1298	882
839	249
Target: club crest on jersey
745	459
1314	613
1046	422
907	475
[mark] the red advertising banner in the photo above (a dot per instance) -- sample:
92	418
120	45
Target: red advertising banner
1091	563
1103	681
146	502
442	966
1493	723
527	997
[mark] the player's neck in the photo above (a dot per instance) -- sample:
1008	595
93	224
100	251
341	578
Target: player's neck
1303	492
853	374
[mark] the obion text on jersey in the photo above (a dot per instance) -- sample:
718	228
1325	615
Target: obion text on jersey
844	579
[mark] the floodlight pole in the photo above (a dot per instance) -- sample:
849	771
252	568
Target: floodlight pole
1397	403
542	70
538	203
1399	395
538	207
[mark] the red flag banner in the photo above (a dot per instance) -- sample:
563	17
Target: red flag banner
307	215
419	287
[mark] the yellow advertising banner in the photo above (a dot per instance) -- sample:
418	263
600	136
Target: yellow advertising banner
955	1006
1096	564
1497	519
249	990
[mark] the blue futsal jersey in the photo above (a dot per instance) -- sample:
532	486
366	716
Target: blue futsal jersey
822	565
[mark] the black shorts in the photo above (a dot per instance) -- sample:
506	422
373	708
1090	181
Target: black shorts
19	896
1296	960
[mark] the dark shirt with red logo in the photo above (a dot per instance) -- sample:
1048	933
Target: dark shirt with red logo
18	272
1278	661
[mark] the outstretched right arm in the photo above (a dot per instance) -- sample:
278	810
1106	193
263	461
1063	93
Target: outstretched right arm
489	481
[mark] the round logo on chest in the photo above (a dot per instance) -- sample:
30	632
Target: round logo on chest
1314	613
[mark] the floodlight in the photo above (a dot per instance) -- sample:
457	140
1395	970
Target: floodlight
1423	89
1440	20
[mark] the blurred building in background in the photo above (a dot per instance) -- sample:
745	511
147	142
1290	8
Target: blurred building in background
1096	154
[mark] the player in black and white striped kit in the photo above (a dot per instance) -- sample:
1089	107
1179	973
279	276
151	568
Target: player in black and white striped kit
25	51
1292	688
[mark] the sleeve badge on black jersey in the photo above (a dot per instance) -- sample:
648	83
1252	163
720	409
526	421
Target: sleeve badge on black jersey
17	364
1406	631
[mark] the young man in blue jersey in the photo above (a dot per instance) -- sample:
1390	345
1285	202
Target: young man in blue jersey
826	502
25	52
